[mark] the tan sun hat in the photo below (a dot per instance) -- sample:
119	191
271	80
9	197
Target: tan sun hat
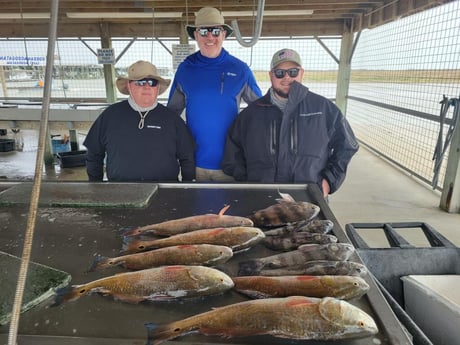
140	70
208	17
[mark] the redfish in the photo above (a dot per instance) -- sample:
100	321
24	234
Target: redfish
286	211
296	317
237	238
305	252
320	267
181	225
197	254
159	283
342	287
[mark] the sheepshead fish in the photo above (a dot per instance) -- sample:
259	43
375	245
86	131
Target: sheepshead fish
295	317
196	254
317	226
342	287
181	225
155	284
305	252
296	239
237	238
320	268
287	210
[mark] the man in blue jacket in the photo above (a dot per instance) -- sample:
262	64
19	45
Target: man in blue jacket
210	85
290	135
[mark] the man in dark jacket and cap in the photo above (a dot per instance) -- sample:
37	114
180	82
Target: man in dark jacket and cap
290	135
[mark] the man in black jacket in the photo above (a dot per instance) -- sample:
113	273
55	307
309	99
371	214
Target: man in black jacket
140	139
290	135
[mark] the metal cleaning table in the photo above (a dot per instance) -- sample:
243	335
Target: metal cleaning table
78	220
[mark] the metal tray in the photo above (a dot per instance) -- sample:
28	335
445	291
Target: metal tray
69	238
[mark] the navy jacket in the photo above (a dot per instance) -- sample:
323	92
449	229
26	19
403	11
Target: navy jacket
309	141
157	152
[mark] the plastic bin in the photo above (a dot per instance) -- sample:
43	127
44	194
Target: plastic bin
72	159
401	259
60	146
7	145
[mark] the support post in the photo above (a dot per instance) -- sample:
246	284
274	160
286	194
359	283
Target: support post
343	78
109	69
450	197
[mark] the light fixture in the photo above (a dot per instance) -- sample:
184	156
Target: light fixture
122	15
268	13
33	15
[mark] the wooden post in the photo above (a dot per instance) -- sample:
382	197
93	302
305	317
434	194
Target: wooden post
343	78
109	69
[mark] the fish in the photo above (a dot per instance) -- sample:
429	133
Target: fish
304	253
342	287
295	317
285	211
320	267
181	225
196	254
155	284
237	238
317	226
294	240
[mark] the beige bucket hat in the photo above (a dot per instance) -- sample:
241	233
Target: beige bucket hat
208	17
140	70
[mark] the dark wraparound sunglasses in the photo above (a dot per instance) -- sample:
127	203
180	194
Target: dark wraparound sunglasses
213	30
292	72
146	81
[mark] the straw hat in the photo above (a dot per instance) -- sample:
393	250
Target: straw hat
208	17
140	70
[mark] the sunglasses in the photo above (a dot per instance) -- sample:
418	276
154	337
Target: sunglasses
214	31
292	72
147	81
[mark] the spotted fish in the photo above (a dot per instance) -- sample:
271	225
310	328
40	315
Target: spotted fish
286	211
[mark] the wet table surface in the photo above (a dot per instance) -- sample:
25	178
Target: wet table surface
68	239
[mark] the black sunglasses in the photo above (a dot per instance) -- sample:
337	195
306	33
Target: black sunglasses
292	72
213	30
146	81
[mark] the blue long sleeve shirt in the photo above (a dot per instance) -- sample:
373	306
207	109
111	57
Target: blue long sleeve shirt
210	90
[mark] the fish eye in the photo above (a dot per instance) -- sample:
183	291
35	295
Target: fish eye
360	324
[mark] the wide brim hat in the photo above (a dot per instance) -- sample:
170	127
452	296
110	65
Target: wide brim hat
140	70
208	17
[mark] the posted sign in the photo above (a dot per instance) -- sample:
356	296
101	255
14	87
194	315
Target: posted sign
106	56
180	52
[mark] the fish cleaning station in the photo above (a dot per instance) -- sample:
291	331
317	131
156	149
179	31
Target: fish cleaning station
376	262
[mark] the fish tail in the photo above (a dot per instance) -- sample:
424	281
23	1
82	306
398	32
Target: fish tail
250	267
99	263
69	293
157	334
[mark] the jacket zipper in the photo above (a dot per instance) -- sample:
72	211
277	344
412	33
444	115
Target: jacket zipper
294	135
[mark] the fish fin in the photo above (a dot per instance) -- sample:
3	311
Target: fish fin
250	267
101	262
157	334
285	197
223	210
68	293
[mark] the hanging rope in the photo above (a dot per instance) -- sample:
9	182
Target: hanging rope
441	147
23	32
153	31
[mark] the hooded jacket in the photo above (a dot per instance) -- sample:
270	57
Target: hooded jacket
308	141
211	90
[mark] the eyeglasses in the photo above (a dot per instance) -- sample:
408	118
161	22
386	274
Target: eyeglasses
292	72
146	81
214	31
